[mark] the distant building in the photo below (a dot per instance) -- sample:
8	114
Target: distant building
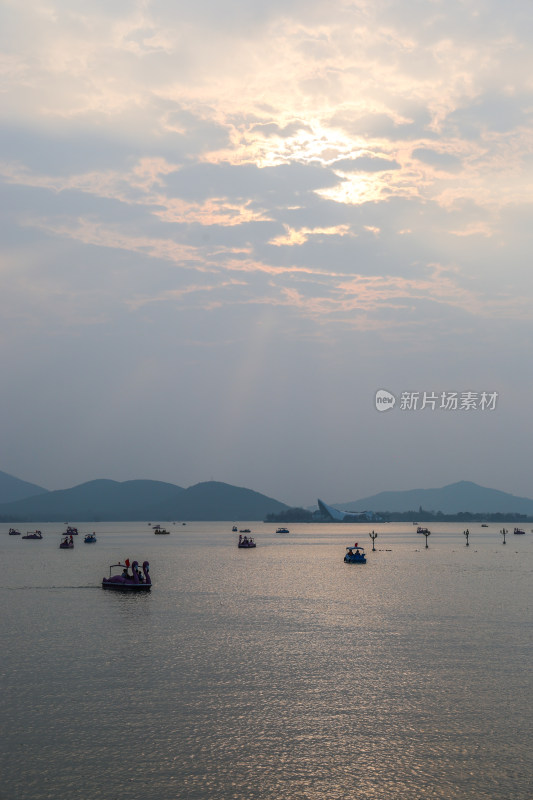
331	514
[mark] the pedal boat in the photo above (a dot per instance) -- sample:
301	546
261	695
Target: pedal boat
157	529
355	555
128	579
67	543
246	542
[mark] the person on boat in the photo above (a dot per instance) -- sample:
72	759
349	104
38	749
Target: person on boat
125	573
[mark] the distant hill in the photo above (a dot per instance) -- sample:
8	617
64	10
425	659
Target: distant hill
12	488
142	500
451	499
213	500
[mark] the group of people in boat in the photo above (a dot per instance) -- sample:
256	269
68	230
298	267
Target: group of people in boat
130	579
127	577
355	553
245	541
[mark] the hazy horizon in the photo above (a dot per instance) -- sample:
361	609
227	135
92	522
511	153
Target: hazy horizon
225	228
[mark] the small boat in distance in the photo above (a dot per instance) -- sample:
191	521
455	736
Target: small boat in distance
70	531
244	530
423	530
519	532
67	543
355	555
159	529
234	529
90	538
14	532
33	535
283	530
126	581
484	525
246	541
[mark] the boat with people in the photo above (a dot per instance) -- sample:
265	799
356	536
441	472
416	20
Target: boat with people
33	535
282	530
234	529
128	577
355	555
90	538
519	532
246	541
67	543
244	530
159	529
70	531
14	532
423	530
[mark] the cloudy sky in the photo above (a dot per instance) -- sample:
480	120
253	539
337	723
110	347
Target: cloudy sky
226	225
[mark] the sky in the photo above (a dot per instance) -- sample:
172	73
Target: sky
226	225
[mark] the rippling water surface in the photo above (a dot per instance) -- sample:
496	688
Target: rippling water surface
273	673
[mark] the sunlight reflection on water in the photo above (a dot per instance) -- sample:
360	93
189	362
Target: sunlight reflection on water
274	673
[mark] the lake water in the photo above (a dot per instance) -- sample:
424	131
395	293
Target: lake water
268	674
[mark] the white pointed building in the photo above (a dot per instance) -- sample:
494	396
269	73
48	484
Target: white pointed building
334	515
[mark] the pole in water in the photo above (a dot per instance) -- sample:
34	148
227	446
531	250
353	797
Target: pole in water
373	536
467	534
426	534
504	534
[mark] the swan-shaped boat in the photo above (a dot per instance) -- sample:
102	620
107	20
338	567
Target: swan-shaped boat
33	535
67	543
355	555
14	532
90	538
130	579
246	541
